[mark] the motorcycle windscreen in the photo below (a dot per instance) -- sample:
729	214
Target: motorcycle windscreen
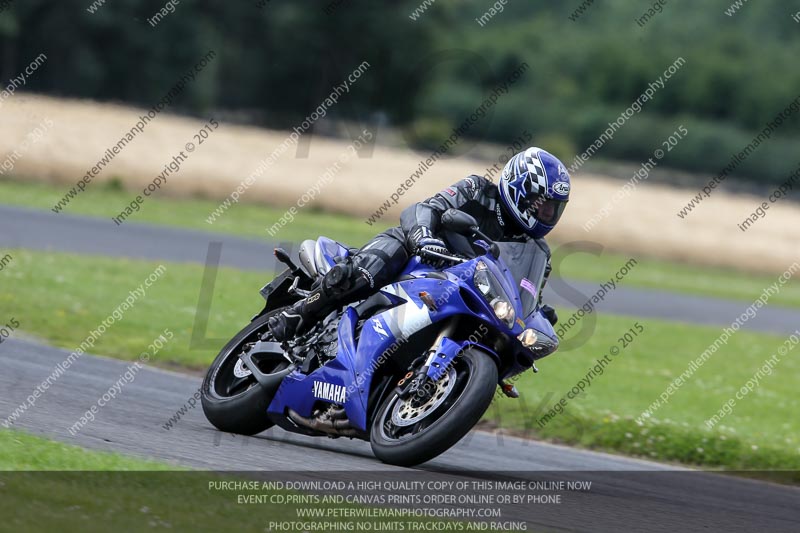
527	262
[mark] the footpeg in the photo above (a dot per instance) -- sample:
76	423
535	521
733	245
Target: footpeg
295	290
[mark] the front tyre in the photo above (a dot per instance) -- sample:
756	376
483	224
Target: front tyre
409	432
231	397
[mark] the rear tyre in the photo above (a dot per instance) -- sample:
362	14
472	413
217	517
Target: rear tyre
231	397
407	434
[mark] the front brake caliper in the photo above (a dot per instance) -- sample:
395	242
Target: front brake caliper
413	384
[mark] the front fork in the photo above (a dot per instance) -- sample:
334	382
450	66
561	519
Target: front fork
415	380
436	363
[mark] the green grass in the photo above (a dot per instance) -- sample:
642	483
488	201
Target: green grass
251	220
62	297
22	451
50	486
762	432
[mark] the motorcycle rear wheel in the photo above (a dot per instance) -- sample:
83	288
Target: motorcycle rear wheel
231	397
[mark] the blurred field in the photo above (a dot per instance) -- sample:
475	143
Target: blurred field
644	223
249	220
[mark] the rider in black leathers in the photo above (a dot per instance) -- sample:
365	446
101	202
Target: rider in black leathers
526	204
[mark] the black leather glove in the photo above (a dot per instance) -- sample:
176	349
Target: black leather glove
550	314
422	240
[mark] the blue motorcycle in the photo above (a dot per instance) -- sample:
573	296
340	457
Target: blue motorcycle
411	369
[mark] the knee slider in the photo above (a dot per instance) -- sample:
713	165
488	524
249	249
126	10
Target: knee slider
338	279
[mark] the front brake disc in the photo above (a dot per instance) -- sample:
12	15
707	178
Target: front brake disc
406	413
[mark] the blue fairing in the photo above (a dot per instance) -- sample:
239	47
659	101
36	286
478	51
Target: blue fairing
447	352
415	267
297	389
327	251
347	379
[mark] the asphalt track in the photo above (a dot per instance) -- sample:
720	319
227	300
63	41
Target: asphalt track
626	494
44	230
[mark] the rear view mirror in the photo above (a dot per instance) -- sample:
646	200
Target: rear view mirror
459	222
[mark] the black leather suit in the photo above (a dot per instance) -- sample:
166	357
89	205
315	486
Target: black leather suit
380	261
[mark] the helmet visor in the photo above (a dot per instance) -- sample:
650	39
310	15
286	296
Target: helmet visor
546	210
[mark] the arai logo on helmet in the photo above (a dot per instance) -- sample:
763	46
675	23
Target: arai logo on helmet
561	187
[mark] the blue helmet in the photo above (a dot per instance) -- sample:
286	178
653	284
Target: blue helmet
534	189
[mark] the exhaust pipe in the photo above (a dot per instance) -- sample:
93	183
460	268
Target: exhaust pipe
333	422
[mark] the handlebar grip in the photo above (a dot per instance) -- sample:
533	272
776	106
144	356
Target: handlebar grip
444	257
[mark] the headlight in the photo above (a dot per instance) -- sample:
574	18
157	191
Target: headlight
481	278
528	338
539	344
503	310
491	289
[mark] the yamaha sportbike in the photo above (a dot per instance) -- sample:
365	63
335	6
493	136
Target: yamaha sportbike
411	369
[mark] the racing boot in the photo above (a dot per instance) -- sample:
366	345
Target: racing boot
299	317
339	287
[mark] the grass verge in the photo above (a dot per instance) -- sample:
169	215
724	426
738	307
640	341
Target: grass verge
62	297
760	433
22	451
50	486
251	220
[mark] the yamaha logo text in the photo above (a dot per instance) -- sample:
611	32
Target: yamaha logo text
330	392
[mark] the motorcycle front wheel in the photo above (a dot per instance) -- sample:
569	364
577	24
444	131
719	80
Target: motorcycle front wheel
410	431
